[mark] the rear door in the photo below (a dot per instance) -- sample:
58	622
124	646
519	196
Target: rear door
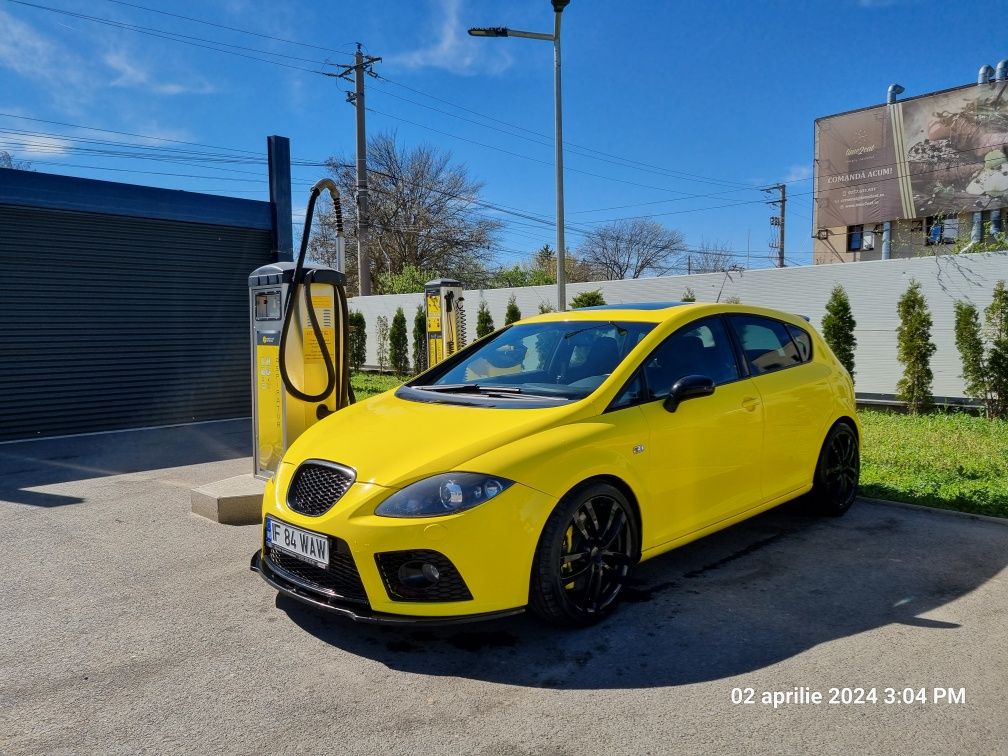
796	399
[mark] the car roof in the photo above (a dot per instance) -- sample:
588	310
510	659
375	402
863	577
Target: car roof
659	312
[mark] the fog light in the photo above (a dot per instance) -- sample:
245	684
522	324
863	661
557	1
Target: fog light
419	574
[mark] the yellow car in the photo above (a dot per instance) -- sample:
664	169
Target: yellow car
535	467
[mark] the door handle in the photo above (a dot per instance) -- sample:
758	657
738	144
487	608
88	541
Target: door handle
750	403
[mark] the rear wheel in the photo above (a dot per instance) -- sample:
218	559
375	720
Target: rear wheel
585	551
837	472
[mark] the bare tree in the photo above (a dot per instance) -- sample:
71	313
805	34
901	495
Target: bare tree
711	257
544	262
632	248
8	161
425	214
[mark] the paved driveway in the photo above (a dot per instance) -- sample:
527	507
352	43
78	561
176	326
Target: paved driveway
130	625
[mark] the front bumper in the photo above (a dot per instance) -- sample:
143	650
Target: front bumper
491	547
354	610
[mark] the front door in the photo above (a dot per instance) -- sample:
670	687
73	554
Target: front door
702	464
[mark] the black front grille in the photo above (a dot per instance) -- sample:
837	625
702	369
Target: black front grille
316	486
340	578
449	587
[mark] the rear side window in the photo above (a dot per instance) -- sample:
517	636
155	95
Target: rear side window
802	340
767	343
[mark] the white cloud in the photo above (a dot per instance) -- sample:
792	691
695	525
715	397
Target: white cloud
799	173
44	146
453	50
32	55
133	74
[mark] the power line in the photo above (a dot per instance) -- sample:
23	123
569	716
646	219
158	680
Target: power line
233	28
206	44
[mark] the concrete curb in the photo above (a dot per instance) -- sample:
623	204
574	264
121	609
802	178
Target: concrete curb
232	501
936	510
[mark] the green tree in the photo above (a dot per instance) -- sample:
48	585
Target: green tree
408	280
914	349
358	340
838	326
984	351
382	344
519	276
591	298
996	332
484	323
688	295
399	344
512	314
420	339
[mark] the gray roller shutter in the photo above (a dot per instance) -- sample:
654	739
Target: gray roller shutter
115	322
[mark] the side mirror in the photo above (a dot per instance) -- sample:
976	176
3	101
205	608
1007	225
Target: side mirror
688	387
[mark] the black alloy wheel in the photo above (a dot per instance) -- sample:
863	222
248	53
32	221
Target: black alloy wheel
836	479
585	552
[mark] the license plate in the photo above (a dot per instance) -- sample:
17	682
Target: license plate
311	547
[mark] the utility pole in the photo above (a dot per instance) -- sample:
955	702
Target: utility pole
362	65
778	220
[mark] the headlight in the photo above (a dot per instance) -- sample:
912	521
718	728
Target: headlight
443	494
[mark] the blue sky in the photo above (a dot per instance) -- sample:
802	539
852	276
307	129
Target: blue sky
663	101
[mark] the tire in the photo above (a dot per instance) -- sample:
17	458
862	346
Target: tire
835	485
586	549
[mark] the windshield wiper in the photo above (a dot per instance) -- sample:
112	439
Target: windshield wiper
465	388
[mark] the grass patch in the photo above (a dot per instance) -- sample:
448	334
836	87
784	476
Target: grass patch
950	461
369	384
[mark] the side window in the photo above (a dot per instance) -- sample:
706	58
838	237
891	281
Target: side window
632	393
701	348
802	340
767	344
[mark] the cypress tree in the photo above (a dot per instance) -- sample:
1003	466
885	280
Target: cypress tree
512	313
484	323
914	349
420	340
838	326
399	344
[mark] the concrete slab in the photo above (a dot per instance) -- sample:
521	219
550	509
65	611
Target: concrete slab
232	501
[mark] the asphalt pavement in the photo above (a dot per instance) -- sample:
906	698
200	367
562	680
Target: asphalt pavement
130	625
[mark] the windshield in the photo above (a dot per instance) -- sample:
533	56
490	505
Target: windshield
560	360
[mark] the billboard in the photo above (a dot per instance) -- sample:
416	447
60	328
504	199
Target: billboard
941	153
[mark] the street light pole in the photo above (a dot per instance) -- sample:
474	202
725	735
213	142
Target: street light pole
501	31
558	118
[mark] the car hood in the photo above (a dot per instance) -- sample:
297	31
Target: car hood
392	442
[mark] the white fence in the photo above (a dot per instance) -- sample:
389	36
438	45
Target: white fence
873	288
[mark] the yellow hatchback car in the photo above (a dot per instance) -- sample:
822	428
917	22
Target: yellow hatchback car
535	467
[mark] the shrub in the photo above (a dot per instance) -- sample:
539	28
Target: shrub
733	300
838	326
592	298
399	344
985	365
914	349
688	295
545	307
358	340
484	323
512	313
382	345
420	339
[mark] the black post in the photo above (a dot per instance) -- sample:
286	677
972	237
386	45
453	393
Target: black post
278	150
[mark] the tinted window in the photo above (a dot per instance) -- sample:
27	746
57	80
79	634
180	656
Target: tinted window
767	344
701	348
803	341
632	393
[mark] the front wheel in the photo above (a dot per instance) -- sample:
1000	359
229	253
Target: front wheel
585	551
835	485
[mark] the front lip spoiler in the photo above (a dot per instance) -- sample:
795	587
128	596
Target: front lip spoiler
360	613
